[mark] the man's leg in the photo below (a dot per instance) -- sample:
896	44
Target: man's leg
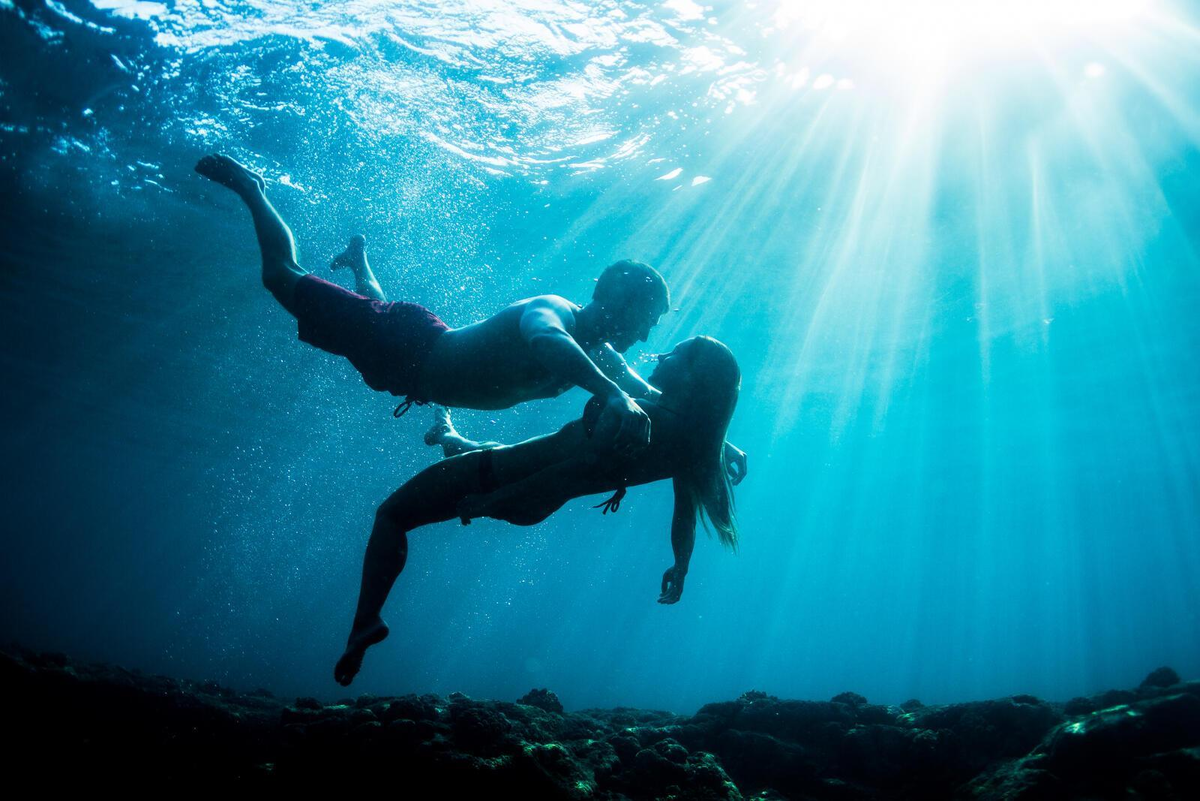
355	257
280	272
443	433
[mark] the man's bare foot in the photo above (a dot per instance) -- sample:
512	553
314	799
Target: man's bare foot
361	638
230	173
354	256
442	427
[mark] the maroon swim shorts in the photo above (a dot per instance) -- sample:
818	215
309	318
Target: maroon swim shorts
387	343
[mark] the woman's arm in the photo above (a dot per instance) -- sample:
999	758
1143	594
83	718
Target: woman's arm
683	540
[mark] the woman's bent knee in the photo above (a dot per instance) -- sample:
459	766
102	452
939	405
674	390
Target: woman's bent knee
388	516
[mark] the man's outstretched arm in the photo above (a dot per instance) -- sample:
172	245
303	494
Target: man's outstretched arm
616	368
543	326
613	365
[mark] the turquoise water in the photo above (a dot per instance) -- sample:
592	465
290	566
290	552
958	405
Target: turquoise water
954	250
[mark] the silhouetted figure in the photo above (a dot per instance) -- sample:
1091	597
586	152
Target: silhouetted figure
525	483
535	348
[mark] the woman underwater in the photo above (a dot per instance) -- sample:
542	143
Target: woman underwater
525	483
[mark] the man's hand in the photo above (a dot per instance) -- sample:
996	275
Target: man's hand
672	585
630	423
735	464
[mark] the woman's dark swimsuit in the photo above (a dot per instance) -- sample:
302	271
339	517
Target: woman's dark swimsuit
388	343
486	476
591	416
487	472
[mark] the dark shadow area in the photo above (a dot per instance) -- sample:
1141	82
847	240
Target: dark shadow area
95	724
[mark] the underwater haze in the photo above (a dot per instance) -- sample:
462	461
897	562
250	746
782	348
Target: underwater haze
954	247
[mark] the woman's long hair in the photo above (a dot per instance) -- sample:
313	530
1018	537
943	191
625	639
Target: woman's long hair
718	380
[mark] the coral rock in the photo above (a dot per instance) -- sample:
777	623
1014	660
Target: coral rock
114	725
542	699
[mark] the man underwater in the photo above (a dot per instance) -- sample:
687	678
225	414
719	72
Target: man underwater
534	348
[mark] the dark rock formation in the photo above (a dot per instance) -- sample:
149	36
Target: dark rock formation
853	699
1162	677
75	725
543	699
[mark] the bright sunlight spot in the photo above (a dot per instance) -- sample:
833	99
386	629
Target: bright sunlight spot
920	41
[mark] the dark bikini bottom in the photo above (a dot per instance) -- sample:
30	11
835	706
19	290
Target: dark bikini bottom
487	472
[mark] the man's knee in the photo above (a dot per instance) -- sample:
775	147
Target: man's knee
281	272
282	284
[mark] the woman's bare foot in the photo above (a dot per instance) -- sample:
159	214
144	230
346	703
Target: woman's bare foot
230	173
354	256
442	427
362	637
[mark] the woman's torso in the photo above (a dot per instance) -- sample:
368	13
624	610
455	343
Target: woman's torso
597	467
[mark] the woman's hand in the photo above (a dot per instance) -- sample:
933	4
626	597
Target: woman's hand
504	504
735	464
475	506
498	504
672	585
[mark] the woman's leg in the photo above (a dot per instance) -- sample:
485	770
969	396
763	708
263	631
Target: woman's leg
280	272
431	496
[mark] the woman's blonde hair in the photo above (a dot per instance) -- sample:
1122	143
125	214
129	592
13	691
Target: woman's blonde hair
717	382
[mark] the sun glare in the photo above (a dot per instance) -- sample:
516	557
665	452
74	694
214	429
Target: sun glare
922	41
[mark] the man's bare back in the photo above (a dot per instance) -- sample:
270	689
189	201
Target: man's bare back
489	364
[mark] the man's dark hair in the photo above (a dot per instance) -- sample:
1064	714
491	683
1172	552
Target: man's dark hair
625	279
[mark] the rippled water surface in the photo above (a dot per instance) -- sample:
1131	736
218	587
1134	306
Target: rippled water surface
953	245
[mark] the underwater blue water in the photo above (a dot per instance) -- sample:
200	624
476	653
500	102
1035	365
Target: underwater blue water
955	253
